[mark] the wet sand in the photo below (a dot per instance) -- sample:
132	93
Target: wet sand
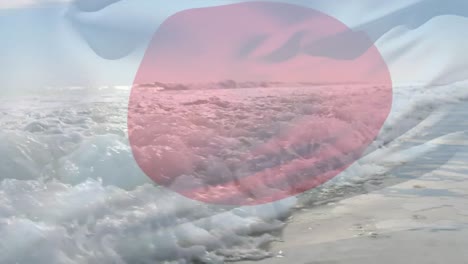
423	219
419	221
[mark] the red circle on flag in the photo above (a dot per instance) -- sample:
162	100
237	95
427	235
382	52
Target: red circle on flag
250	103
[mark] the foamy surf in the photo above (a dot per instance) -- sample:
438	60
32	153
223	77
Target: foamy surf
72	192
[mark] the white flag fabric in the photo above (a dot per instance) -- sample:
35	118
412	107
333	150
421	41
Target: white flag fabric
137	131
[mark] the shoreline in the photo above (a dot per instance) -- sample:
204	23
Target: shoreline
422	220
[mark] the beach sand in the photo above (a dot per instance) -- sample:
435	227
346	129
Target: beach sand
423	220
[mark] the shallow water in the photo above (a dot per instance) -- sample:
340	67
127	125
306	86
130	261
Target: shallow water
71	190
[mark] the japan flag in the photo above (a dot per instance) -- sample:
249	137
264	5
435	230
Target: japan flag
138	131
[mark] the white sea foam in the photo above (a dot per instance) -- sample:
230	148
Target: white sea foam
71	192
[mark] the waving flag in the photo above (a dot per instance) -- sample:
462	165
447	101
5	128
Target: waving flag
155	132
